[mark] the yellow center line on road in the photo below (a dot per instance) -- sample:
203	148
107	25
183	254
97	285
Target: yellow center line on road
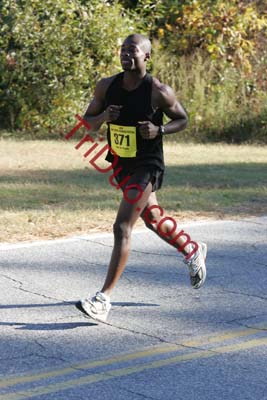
120	372
85	365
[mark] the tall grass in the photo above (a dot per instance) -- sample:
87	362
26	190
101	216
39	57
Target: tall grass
221	106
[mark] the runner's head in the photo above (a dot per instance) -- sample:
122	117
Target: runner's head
135	52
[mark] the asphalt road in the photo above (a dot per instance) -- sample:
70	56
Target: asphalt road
163	340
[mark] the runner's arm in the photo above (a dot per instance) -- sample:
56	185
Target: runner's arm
163	97
95	114
173	109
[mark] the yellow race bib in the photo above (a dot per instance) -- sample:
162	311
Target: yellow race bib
123	140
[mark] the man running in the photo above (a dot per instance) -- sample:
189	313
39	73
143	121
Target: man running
132	104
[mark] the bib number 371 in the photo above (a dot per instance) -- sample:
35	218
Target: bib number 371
123	140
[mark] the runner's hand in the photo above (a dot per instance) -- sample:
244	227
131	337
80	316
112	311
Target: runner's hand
148	130
112	113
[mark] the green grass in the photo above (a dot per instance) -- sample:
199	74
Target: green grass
208	187
47	190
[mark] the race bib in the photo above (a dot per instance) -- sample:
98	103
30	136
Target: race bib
123	140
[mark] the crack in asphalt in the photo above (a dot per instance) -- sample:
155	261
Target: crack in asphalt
251	327
181	345
56	358
43	347
36	353
83	261
28	291
132	250
138	332
236	320
157	338
143	396
259	263
138	271
161	340
241	294
175	255
19	357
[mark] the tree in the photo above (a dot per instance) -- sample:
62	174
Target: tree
226	31
52	53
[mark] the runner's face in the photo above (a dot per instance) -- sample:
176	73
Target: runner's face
132	56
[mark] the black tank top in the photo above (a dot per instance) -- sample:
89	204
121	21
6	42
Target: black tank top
123	134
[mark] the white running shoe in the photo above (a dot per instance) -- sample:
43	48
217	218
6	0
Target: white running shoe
197	267
96	307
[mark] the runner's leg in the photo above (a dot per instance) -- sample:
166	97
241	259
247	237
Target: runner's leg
166	228
127	216
166	231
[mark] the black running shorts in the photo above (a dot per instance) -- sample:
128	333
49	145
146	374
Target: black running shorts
141	176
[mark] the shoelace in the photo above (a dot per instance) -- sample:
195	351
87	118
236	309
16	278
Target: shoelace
98	298
93	303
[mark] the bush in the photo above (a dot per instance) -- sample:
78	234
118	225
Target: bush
221	107
212	53
52	54
226	31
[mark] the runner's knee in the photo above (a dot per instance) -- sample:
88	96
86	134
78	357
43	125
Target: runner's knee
151	218
122	230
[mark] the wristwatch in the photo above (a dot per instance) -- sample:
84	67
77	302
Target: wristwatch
161	130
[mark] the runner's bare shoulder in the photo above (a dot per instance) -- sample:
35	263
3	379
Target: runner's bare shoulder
162	95
103	85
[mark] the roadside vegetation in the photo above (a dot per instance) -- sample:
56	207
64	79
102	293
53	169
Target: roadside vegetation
48	191
52	53
212	53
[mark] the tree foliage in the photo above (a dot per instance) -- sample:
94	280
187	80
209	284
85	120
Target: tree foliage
51	55
228	31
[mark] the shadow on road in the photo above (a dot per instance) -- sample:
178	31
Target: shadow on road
49	326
